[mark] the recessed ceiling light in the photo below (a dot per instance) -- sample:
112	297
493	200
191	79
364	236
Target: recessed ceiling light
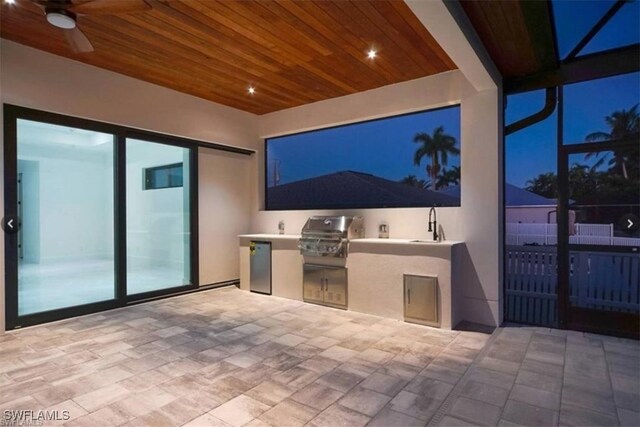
372	54
251	90
9	1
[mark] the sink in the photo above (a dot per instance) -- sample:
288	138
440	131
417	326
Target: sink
422	241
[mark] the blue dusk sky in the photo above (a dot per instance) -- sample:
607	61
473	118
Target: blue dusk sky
574	18
532	151
381	147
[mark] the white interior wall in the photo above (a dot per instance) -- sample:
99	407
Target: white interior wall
74	193
155	218
35	79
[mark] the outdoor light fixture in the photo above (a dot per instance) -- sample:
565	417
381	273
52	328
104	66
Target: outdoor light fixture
251	90
372	54
61	18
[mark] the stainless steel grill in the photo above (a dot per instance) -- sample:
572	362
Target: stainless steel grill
329	235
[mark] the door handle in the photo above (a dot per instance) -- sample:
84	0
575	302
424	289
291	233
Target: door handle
409	296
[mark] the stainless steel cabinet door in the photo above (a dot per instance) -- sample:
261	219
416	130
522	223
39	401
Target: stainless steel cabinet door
421	299
335	288
313	283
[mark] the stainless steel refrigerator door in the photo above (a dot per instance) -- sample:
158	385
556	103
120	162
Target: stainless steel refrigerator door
260	270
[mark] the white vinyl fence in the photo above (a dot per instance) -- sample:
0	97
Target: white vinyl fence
546	234
605	281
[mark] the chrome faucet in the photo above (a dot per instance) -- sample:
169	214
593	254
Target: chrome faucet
433	223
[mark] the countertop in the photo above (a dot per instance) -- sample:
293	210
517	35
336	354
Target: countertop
356	241
407	242
270	236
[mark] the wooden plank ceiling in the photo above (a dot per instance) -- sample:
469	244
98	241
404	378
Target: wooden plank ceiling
518	34
292	52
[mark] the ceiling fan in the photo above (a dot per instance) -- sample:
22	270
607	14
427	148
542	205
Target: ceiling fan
63	14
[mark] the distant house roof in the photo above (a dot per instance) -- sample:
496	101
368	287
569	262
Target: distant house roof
348	189
514	196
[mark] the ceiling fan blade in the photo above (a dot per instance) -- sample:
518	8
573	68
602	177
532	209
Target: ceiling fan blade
109	7
31	6
78	41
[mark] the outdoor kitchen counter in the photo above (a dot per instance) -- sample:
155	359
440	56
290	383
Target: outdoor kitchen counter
376	269
407	241
286	263
269	237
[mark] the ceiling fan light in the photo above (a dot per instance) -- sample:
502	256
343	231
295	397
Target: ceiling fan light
61	18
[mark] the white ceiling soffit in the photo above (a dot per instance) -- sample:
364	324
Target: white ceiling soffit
438	19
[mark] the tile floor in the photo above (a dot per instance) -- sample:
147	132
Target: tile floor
231	358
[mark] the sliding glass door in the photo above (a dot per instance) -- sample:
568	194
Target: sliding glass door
158	216
97	216
65	205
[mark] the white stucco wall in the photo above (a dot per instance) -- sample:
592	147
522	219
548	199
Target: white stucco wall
224	182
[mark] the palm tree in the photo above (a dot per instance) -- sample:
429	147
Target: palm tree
622	124
449	177
413	181
437	147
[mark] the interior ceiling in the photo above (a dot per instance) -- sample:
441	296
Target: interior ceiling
518	34
292	52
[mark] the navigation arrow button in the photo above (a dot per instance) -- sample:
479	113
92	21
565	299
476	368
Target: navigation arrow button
629	223
10	224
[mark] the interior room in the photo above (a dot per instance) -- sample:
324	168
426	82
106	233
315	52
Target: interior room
323	213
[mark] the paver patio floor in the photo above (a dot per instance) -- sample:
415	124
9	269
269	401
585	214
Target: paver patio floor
228	357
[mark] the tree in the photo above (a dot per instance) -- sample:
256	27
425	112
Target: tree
588	186
437	147
413	181
545	184
449	177
583	180
622	124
